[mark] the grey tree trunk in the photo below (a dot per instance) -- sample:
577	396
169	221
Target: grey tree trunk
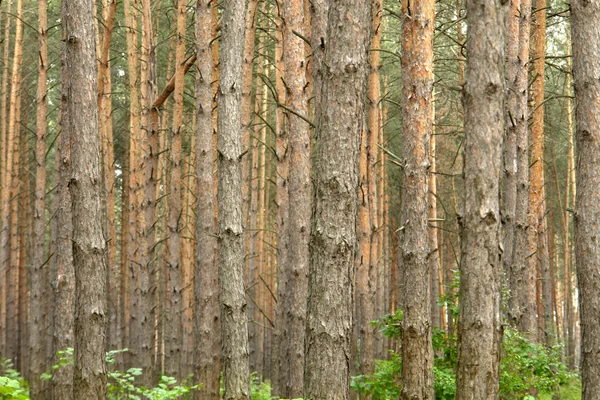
479	328
81	114
585	29
234	321
63	273
340	90
207	325
293	301
509	190
38	283
522	305
417	121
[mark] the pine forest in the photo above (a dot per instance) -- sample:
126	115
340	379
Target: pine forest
300	199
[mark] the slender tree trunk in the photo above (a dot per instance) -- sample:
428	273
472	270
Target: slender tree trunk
38	285
24	235
522	307
293	301
63	279
206	317
509	192
569	201
342	87
7	192
148	142
173	315
106	133
538	241
81	116
586	47
3	164
230	232
417	118
479	329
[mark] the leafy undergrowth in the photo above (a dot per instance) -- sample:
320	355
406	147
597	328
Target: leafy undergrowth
525	366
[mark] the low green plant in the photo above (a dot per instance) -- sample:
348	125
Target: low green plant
122	385
259	389
12	385
525	368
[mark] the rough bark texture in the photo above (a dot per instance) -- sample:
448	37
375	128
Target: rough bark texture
81	112
586	72
38	285
293	301
281	371
417	123
108	158
206	315
173	314
3	123
509	192
234	331
537	202
63	275
11	160
479	329
341	86
145	339
522	307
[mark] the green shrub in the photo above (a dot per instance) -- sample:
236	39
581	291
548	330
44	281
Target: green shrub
525	366
122	385
12	385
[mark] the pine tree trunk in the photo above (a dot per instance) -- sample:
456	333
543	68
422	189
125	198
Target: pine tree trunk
11	158
509	190
173	314
293	301
147	169
38	285
342	86
417	119
586	47
230	232
3	164
63	277
537	202
81	116
479	328
206	317
522	307
106	133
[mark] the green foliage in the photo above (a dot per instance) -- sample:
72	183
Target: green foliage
12	385
121	384
259	390
524	366
383	384
527	365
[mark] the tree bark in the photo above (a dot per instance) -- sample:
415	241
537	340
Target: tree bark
522	306
479	328
173	314
298	148
11	159
234	331
417	120
586	70
63	277
38	285
81	114
145	338
509	190
538	241
340	56
206	317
